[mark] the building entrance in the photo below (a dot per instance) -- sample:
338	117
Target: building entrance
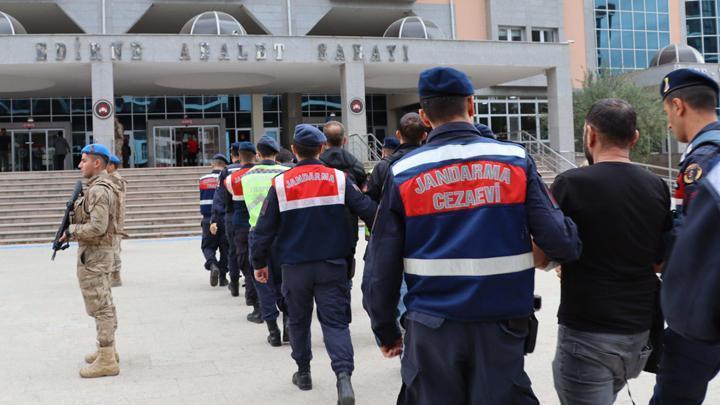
34	149
176	146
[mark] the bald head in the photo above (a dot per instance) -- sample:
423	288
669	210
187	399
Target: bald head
335	133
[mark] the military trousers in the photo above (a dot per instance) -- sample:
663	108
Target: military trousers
241	237
451	362
270	293
117	250
211	244
326	283
94	265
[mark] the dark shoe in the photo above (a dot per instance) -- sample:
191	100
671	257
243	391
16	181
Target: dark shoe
223	281
234	288
286	330
346	395
274	336
214	275
303	380
255	316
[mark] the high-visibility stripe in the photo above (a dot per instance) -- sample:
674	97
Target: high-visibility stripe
206	202
211	175
469	267
286	205
452	152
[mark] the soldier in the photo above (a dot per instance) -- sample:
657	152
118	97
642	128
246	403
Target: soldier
112	169
211	243
307	206
219	221
94	225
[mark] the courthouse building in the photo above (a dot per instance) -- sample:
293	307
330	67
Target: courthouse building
162	72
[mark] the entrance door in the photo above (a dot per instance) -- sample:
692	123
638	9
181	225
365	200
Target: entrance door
186	146
32	150
164	147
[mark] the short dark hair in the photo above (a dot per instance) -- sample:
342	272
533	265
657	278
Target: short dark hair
702	98
411	128
246	156
443	108
219	162
334	132
102	159
265	150
284	156
615	119
305	151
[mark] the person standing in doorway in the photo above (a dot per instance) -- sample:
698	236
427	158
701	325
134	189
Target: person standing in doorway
4	151
61	149
192	148
126	152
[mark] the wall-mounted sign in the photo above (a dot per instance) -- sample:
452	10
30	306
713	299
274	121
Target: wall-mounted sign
59	51
357	106
102	109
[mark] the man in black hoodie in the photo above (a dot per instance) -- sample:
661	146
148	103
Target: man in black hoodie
411	134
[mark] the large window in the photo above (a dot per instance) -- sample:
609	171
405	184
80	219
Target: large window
628	33
512	34
513	114
702	27
544	35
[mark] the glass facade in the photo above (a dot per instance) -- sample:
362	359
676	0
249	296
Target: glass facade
702	19
628	33
512	114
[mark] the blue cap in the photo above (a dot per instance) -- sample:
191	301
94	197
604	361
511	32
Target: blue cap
115	160
246	146
269	142
96	149
308	135
391	142
682	78
444	81
485	130
222	157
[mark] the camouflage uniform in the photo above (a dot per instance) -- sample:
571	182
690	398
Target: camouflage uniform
94	225
121	183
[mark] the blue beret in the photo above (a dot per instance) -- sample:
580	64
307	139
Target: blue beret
682	78
222	157
308	135
235	146
96	149
247	146
485	131
115	160
269	142
444	81
391	142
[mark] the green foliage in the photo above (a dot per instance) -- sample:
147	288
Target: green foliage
652	122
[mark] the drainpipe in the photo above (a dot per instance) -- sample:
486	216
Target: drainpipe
452	18
104	17
289	18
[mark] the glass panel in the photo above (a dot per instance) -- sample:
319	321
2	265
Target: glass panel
615	39
663	22
527	108
512	107
517	34
692	9
651	21
272	119
53	137
710	44
708	26
650	5
80	105
482	107
21	107
503	34
498	124
244	103
707	8
640	42
60	106
244	135
243	120
210	144
536	36
498	108
639	20
5	107
164	147
21	151
695	42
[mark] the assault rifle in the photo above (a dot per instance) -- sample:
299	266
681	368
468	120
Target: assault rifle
65	224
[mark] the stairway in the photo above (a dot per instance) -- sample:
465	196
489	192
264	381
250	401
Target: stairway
161	202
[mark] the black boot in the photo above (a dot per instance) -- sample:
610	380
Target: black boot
223	280
214	275
303	380
274	336
286	329
346	395
255	316
234	288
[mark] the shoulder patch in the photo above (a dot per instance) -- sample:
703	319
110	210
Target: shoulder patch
693	173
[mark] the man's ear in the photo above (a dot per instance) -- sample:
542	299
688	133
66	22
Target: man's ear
590	136
424	118
470	106
398	136
679	106
635	139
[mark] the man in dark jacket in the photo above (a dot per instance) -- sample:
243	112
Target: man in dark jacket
337	157
411	135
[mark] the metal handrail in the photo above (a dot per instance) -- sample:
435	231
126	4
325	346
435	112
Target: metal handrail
541	151
372	144
661	171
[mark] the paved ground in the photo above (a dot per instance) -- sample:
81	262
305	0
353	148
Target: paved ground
183	342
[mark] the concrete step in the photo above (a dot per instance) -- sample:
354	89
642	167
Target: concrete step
130	209
64	186
28	235
44	203
130	196
129	222
56	217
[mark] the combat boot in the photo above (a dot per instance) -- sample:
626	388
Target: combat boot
274	336
234	288
115	280
286	329
303	380
255	316
223	280
346	395
103	366
90	357
214	275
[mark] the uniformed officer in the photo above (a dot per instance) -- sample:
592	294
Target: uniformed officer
112	169
458	218
691	347
211	243
94	223
255	184
240	224
220	222
305	213
389	145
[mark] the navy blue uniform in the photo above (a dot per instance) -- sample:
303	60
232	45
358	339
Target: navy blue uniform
239	221
210	243
456	219
307	206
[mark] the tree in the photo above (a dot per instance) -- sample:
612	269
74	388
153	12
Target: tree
652	122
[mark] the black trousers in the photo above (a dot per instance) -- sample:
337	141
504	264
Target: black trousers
449	362
242	253
210	245
59	162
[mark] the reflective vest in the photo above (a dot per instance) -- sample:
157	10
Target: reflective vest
255	184
208	185
468	252
233	184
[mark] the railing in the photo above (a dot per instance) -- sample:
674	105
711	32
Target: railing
540	151
668	174
365	143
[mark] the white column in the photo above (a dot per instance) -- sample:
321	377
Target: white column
258	120
103	89
560	110
291	115
352	87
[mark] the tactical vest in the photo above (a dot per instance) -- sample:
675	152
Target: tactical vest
208	185
256	183
233	184
468	252
82	210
